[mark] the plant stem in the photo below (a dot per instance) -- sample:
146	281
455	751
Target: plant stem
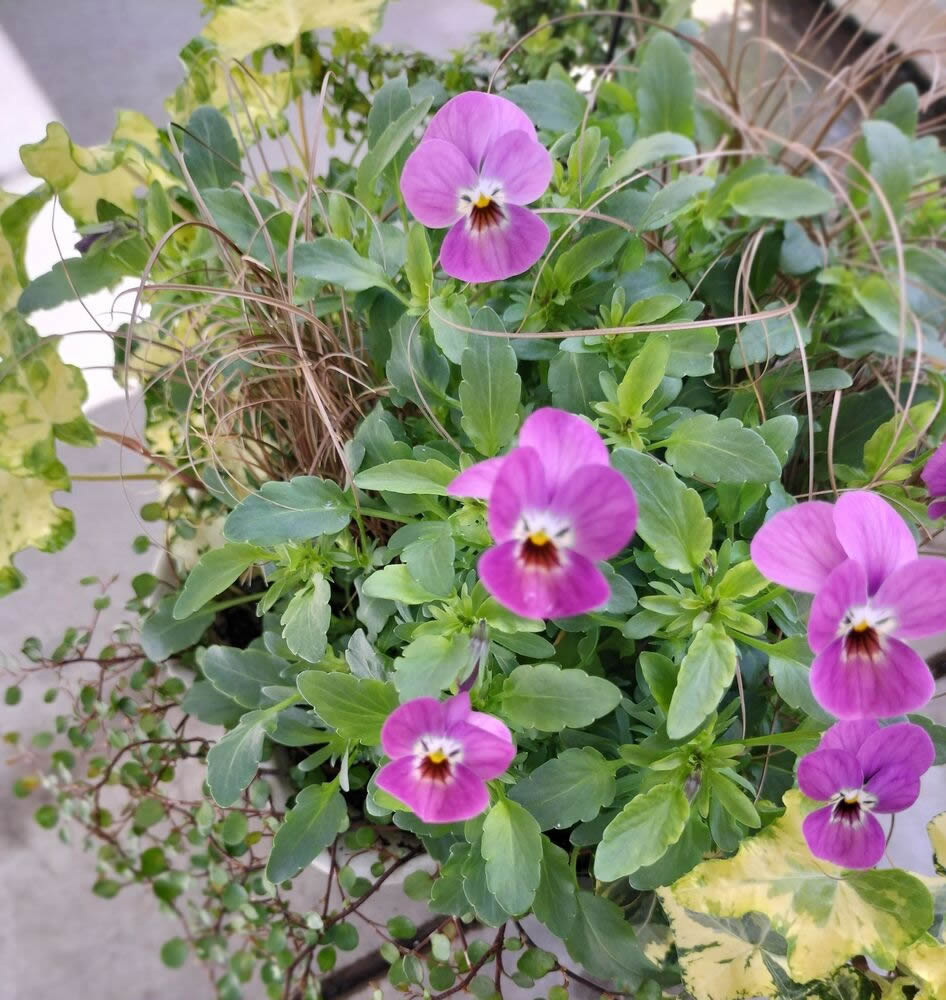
386	515
233	602
118	477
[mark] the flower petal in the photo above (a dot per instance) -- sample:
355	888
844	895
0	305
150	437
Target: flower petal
901	745
874	534
934	473
520	164
456	710
845	588
897	787
850	845
916	593
848	735
937	510
462	796
565	441
477	481
602	509
494	252
824	772
520	487
485	753
431	181
472	121
798	547
408	722
856	688
575	587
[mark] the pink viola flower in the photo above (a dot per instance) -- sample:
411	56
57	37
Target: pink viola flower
934	478
871	593
555	508
861	769
442	754
478	163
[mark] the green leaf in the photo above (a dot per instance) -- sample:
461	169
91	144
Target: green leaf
72	278
489	393
775	196
407	475
299	510
175	952
444	317
706	672
419	267
825	914
764	339
603	943
665	87
572	787
573	381
235	828
163	635
430	560
338	263
430	664
306	619
789	665
733	800
779	434
551	104
717	451
235	758
543	696
395	583
660	673
672	200
555	903
241	674
205	702
210	151
213	573
671	519
486	907
897	436
233	216
388	145
308	828
891	164
643	377
645	152
589	252
641	833
355	707
512	849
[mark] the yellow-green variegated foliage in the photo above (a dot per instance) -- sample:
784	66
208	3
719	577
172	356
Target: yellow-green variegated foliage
40	402
773	914
247	25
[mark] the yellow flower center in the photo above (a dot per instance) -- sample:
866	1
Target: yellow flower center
861	626
436	757
539	538
483	201
851	799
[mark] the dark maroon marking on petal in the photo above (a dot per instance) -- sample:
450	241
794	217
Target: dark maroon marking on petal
544	556
487	217
863	644
847	812
435	770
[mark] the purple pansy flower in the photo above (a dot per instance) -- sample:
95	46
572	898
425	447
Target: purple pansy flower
872	591
860	769
442	754
478	163
555	507
934	478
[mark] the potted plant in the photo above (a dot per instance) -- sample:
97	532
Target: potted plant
545	484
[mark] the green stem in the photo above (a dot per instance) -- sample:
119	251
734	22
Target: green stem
233	602
763	599
386	515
